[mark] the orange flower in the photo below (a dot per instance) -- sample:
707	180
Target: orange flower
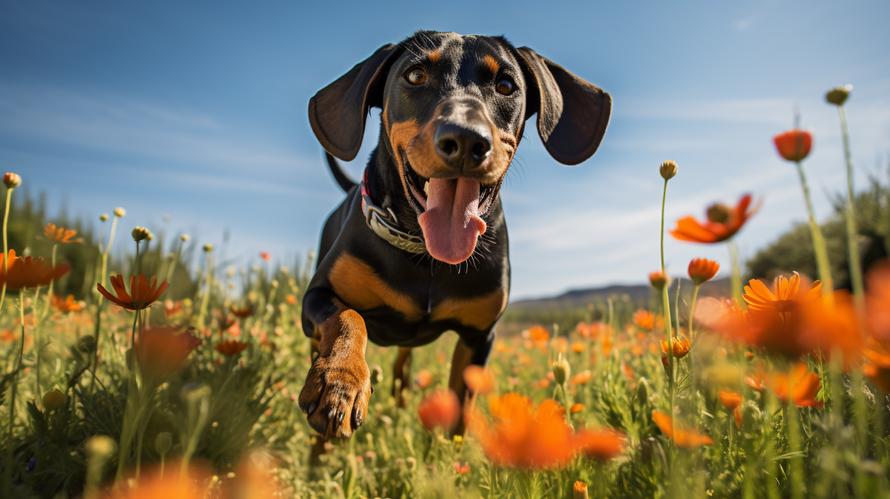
67	305
479	379
193	484
785	291
799	386
579	490
732	401
162	351
141	295
582	378
702	270
878	301
578	347
877	364
461	468
265	256
576	408
172	308
538	334
601	445
658	279
28	272
522	435
722	223
291	299
241	312
60	235
230	348
794	145
644	319
439	409
685	438
424	379
679	346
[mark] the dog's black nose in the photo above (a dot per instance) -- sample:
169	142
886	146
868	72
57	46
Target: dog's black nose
462	148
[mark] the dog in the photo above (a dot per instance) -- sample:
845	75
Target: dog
419	247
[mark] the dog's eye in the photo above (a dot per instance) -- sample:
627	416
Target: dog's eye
504	87
415	76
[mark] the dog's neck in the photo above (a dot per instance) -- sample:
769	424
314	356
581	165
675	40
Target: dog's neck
385	185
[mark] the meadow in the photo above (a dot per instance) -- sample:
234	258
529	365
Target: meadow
158	372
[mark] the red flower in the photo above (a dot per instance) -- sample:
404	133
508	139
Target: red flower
231	347
440	409
722	223
141	295
794	145
265	256
161	351
702	270
28	272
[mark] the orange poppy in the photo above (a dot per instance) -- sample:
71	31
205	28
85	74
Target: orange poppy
479	379
241	312
19	272
523	435
424	379
682	437
538	334
60	235
784	292
143	292
439	409
733	402
67	305
162	351
601	445
644	319
799	386
794	145
679	346
230	348
722	223
702	270
877	364
658	279
878	301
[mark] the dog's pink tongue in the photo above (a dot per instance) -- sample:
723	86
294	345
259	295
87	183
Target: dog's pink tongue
451	222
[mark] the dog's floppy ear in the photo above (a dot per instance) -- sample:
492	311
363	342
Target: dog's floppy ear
337	112
572	112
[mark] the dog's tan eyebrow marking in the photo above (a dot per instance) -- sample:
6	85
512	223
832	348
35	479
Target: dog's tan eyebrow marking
491	63
434	55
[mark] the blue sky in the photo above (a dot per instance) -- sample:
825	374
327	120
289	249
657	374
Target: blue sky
193	116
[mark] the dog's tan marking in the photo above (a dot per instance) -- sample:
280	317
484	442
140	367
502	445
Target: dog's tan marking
434	56
359	286
491	63
479	312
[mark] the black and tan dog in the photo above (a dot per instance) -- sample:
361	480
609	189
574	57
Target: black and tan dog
420	246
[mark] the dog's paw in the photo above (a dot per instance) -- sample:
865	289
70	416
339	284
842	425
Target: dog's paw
335	396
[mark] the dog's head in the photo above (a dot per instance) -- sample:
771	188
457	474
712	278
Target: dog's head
454	109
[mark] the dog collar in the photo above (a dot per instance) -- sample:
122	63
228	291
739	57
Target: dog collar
385	224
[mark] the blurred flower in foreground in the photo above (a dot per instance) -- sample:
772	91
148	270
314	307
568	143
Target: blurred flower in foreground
794	145
143	292
440	409
162	351
798	386
721	224
193	483
682	437
479	379
878	301
877	364
645	320
28	272
526	436
784	293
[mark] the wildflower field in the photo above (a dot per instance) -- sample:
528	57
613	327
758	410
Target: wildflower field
172	376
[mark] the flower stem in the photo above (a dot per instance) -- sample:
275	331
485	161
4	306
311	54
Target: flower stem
5	244
850	214
104	274
49	293
666	305
7	472
816	234
796	469
736	279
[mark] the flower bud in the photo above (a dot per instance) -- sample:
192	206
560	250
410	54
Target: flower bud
579	490
120	212
838	95
208	248
103	217
141	234
12	180
668	169
376	375
561	370
54	400
679	347
658	280
184	237
702	270
163	442
100	447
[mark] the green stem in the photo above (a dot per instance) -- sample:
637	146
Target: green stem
736	276
7	472
816	234
796	469
850	214
666	305
5	244
104	274
49	293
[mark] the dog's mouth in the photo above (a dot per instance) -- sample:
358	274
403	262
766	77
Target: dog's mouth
449	211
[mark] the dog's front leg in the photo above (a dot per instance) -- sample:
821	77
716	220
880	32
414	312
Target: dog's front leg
338	386
466	354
